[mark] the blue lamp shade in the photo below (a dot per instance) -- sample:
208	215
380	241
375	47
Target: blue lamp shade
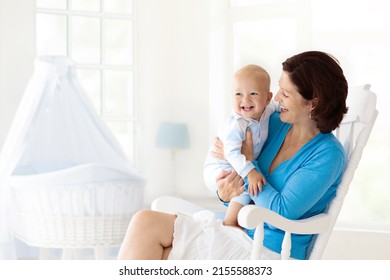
173	136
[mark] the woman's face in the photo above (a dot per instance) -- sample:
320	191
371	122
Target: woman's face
294	108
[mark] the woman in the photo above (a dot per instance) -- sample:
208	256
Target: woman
301	160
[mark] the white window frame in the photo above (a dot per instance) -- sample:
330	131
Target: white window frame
130	121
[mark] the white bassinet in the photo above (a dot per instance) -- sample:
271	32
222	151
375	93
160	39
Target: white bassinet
69	183
52	210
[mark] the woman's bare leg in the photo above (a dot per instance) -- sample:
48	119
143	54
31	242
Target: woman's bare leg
149	236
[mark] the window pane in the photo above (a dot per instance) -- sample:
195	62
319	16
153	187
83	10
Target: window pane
118	6
360	40
124	133
52	4
77	28
91	83
85	39
118	93
264	49
118	41
51	34
86	5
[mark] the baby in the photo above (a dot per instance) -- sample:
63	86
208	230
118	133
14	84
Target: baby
251	110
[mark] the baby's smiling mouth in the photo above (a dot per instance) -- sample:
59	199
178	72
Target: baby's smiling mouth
246	108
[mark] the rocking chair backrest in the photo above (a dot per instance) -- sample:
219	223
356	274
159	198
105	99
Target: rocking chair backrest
353	133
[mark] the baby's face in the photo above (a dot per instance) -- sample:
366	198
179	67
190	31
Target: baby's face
250	95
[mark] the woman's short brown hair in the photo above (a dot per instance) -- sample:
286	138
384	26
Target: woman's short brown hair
318	75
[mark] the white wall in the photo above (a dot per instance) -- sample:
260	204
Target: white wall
17	50
347	244
174	86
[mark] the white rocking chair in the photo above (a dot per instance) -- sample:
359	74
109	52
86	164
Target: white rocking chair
353	133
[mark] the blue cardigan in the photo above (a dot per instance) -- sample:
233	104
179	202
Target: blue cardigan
299	187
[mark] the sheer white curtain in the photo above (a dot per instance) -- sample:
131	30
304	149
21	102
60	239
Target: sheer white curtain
56	128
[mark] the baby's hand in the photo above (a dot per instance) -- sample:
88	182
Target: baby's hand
255	182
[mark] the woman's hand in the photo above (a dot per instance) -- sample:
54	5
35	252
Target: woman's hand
247	146
229	185
218	149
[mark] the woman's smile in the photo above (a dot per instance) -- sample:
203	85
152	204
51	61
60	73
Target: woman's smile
283	109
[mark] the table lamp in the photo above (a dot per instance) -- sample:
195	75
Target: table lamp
174	137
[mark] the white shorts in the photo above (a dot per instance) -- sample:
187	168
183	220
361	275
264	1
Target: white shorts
203	237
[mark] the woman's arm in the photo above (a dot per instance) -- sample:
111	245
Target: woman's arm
231	184
305	187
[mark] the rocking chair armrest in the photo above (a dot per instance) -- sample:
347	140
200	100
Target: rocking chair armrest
251	216
173	205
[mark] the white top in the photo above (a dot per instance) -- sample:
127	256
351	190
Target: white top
232	135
